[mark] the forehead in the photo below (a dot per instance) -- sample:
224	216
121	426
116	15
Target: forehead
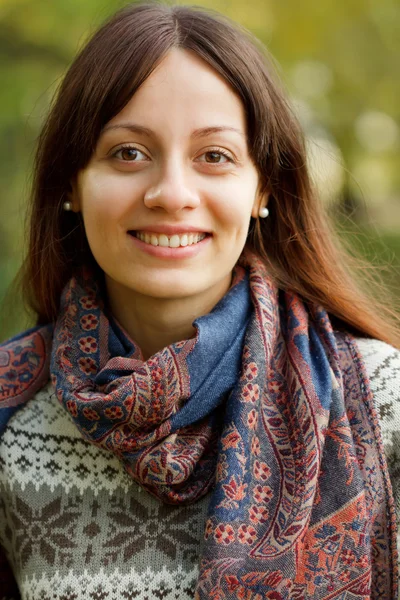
184	92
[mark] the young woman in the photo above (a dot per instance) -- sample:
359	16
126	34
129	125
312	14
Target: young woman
199	411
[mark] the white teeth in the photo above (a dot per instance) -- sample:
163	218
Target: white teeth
163	241
174	241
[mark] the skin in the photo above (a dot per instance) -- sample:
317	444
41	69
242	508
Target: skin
174	178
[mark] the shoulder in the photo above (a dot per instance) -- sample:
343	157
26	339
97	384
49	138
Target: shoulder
24	369
382	364
378	355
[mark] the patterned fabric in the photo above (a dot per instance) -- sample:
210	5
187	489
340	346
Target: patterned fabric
383	365
293	424
158	417
24	369
112	540
74	524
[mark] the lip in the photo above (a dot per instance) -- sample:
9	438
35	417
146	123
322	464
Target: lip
170	253
171	229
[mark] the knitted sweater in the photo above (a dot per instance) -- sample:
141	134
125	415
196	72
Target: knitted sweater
75	527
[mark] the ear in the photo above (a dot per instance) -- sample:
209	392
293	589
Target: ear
260	201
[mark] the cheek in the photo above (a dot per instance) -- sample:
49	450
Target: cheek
105	200
233	208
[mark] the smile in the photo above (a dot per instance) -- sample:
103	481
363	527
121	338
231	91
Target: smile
165	241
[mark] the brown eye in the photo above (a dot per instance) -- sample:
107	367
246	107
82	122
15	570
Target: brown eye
130	154
213	157
216	156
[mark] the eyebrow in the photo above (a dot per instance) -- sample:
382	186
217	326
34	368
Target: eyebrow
197	133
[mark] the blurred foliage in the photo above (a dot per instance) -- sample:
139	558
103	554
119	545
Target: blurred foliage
339	61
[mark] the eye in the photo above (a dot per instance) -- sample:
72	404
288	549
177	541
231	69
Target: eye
129	154
216	157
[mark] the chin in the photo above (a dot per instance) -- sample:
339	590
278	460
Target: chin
168	292
164	287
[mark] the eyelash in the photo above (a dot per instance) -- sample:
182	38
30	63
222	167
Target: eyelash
215	150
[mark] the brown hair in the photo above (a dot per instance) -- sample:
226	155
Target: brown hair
295	241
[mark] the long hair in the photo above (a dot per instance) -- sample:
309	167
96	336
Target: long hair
296	241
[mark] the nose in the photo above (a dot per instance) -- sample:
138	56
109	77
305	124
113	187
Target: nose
172	191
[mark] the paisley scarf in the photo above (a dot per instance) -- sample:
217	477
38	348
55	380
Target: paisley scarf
266	406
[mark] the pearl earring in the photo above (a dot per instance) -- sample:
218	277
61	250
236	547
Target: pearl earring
263	212
67	206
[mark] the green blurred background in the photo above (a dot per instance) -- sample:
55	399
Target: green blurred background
338	59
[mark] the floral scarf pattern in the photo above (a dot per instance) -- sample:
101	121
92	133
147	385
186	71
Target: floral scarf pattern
266	407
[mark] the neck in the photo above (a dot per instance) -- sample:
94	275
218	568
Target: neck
154	323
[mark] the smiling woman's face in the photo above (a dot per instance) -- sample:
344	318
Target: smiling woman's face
171	167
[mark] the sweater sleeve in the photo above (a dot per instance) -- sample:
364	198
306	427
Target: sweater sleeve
382	363
8	585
